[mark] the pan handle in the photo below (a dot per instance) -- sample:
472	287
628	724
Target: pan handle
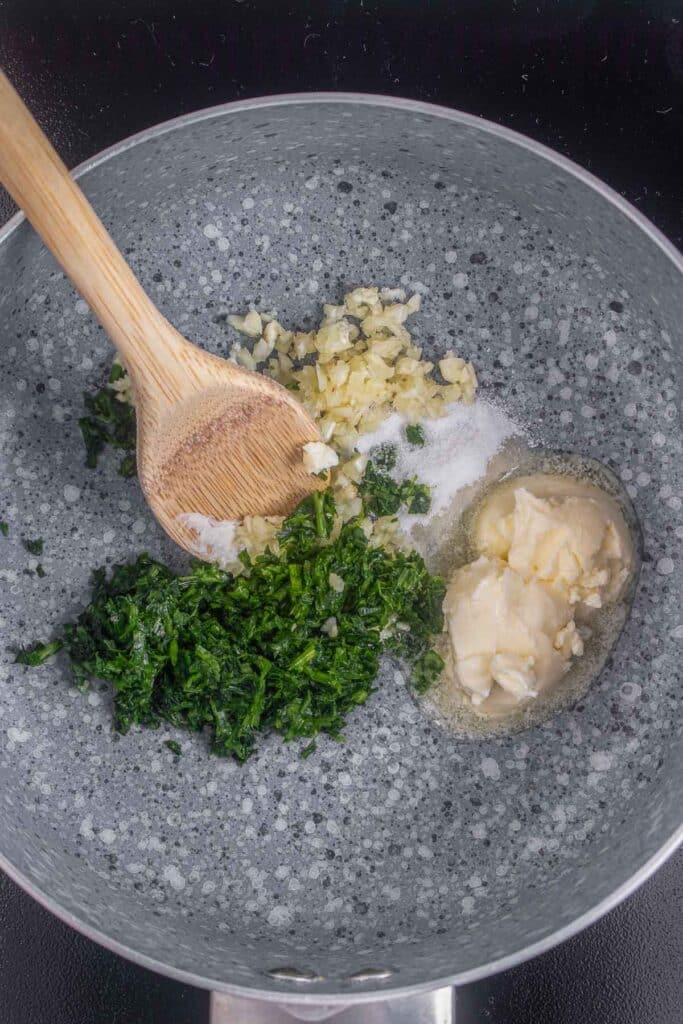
435	1007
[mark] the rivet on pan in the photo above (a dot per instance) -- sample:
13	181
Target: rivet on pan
371	974
297	974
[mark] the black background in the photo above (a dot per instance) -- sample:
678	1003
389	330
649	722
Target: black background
598	80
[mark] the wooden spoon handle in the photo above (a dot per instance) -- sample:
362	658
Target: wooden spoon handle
34	175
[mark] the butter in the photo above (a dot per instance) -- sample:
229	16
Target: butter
552	551
565	533
507	632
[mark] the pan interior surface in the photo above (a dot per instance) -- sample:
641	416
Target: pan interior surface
404	848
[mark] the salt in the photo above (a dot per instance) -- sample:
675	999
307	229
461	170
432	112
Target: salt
214	539
457	450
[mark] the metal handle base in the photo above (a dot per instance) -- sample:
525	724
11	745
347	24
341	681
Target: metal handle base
436	1007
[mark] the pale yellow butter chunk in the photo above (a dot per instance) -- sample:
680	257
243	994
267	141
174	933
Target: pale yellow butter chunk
553	550
566	534
507	632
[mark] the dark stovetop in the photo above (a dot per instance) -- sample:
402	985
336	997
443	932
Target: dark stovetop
598	80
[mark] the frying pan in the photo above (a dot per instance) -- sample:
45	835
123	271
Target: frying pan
405	859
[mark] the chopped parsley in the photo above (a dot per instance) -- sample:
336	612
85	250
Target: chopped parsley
40	572
109	421
128	465
4	528
37	655
427	670
384	496
415	435
385	456
174	747
416	497
34	547
246	655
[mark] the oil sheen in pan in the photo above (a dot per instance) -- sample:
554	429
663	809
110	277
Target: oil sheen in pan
445	702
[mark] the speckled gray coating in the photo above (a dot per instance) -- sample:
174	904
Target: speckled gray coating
403	847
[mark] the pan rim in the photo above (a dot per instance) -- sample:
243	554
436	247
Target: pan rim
341	998
347	998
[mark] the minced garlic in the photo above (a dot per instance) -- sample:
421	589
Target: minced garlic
364	367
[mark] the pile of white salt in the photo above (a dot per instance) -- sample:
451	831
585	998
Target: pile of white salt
458	448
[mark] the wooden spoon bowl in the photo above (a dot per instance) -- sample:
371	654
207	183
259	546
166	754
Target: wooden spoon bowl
228	445
213	438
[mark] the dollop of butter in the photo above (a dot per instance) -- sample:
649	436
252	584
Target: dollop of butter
507	631
552	550
565	533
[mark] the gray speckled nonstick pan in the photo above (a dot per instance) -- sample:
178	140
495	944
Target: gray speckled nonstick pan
406	856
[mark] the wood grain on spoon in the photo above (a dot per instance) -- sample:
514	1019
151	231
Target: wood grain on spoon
213	438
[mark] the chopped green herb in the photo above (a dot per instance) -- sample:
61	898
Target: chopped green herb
109	421
427	670
174	747
380	492
415	497
117	372
415	435
37	655
385	457
4	528
95	437
246	655
384	496
128	465
34	547
40	572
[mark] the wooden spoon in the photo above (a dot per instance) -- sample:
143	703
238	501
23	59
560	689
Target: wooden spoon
212	437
